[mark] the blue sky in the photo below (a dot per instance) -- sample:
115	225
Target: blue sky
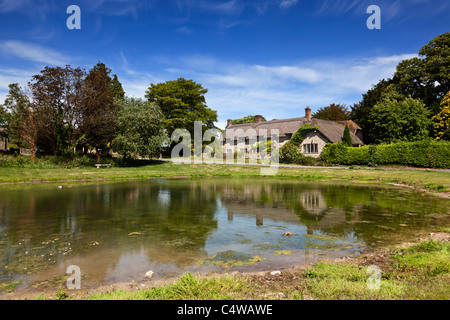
268	57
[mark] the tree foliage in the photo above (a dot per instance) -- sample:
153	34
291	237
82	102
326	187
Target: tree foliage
116	88
139	129
425	78
63	108
247	119
441	121
15	105
399	120
99	109
347	138
56	93
360	112
182	102
21	122
334	112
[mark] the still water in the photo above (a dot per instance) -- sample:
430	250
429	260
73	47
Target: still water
116	232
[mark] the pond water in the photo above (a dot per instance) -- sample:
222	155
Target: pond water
116	232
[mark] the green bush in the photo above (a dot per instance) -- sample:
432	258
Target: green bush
289	154
424	154
46	161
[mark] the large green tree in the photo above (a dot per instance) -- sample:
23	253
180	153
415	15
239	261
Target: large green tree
182	102
139	129
426	77
57	93
335	112
361	111
404	119
99	109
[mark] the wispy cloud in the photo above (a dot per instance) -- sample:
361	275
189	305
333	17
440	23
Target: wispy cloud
32	52
282	91
13	75
390	9
287	3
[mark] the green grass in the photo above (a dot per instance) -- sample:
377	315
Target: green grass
431	180
420	272
187	287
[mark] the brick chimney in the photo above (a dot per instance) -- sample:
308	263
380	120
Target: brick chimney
258	118
229	122
308	113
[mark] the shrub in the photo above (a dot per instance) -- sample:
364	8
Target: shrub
47	161
425	154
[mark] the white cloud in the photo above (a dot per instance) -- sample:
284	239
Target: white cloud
13	75
283	91
236	89
287	3
33	52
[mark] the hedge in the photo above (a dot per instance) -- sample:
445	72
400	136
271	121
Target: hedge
424	154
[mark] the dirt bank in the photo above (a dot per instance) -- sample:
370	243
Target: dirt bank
273	281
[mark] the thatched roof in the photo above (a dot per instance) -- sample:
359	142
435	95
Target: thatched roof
331	130
334	130
264	129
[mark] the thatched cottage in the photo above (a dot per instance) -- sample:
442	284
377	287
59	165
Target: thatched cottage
241	137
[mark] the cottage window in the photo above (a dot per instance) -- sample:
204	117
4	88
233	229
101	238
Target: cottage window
311	148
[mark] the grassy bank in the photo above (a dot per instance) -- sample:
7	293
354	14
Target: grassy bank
432	180
420	271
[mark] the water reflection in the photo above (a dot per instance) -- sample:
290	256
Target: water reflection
117	231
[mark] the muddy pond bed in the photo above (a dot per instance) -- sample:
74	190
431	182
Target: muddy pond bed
119	231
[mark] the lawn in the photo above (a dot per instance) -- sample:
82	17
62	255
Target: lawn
438	181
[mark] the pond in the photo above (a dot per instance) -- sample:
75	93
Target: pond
116	232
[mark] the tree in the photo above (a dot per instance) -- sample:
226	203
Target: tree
116	88
347	139
182	102
247	119
139	129
56	94
360	112
21	122
335	112
4	117
441	121
28	131
427	77
98	109
394	120
16	102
